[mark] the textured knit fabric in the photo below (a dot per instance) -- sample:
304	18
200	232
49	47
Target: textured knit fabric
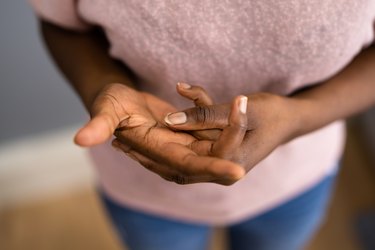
229	47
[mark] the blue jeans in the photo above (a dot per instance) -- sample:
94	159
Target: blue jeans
286	227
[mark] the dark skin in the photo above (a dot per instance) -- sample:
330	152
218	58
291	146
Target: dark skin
136	118
219	147
274	120
284	118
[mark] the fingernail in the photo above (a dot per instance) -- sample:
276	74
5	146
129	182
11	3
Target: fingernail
176	118
243	104
184	85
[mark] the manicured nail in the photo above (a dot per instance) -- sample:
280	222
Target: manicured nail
184	85
176	118
243	104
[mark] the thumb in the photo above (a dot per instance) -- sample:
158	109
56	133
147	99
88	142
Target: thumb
99	129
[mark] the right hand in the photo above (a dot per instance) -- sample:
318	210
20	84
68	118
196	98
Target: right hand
136	119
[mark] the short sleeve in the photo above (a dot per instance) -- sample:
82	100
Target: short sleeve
60	12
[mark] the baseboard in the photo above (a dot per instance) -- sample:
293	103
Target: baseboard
41	166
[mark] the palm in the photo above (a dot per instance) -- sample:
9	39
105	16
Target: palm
139	116
136	119
143	128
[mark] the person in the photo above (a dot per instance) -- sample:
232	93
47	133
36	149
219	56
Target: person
253	129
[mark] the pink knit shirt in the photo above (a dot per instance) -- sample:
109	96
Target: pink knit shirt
230	47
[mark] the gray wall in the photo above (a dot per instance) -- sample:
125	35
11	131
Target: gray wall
33	95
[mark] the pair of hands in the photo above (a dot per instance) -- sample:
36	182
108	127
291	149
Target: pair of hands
207	143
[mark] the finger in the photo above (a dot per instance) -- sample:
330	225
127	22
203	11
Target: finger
179	157
233	135
208	134
199	118
145	161
169	174
171	149
190	164
99	129
200	98
194	93
179	177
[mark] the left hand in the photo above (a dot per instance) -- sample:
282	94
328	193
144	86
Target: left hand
272	121
137	119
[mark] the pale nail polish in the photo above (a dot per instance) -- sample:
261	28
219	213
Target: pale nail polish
243	104
184	85
176	118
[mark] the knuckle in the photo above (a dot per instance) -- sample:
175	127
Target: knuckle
204	115
198	88
200	91
240	126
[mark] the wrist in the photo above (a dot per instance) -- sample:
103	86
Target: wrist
283	115
294	118
305	114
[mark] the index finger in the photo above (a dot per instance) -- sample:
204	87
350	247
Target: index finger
199	118
197	94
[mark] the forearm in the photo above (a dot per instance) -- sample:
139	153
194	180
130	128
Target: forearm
346	94
83	59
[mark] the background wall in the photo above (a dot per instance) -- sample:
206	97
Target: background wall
39	114
34	98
